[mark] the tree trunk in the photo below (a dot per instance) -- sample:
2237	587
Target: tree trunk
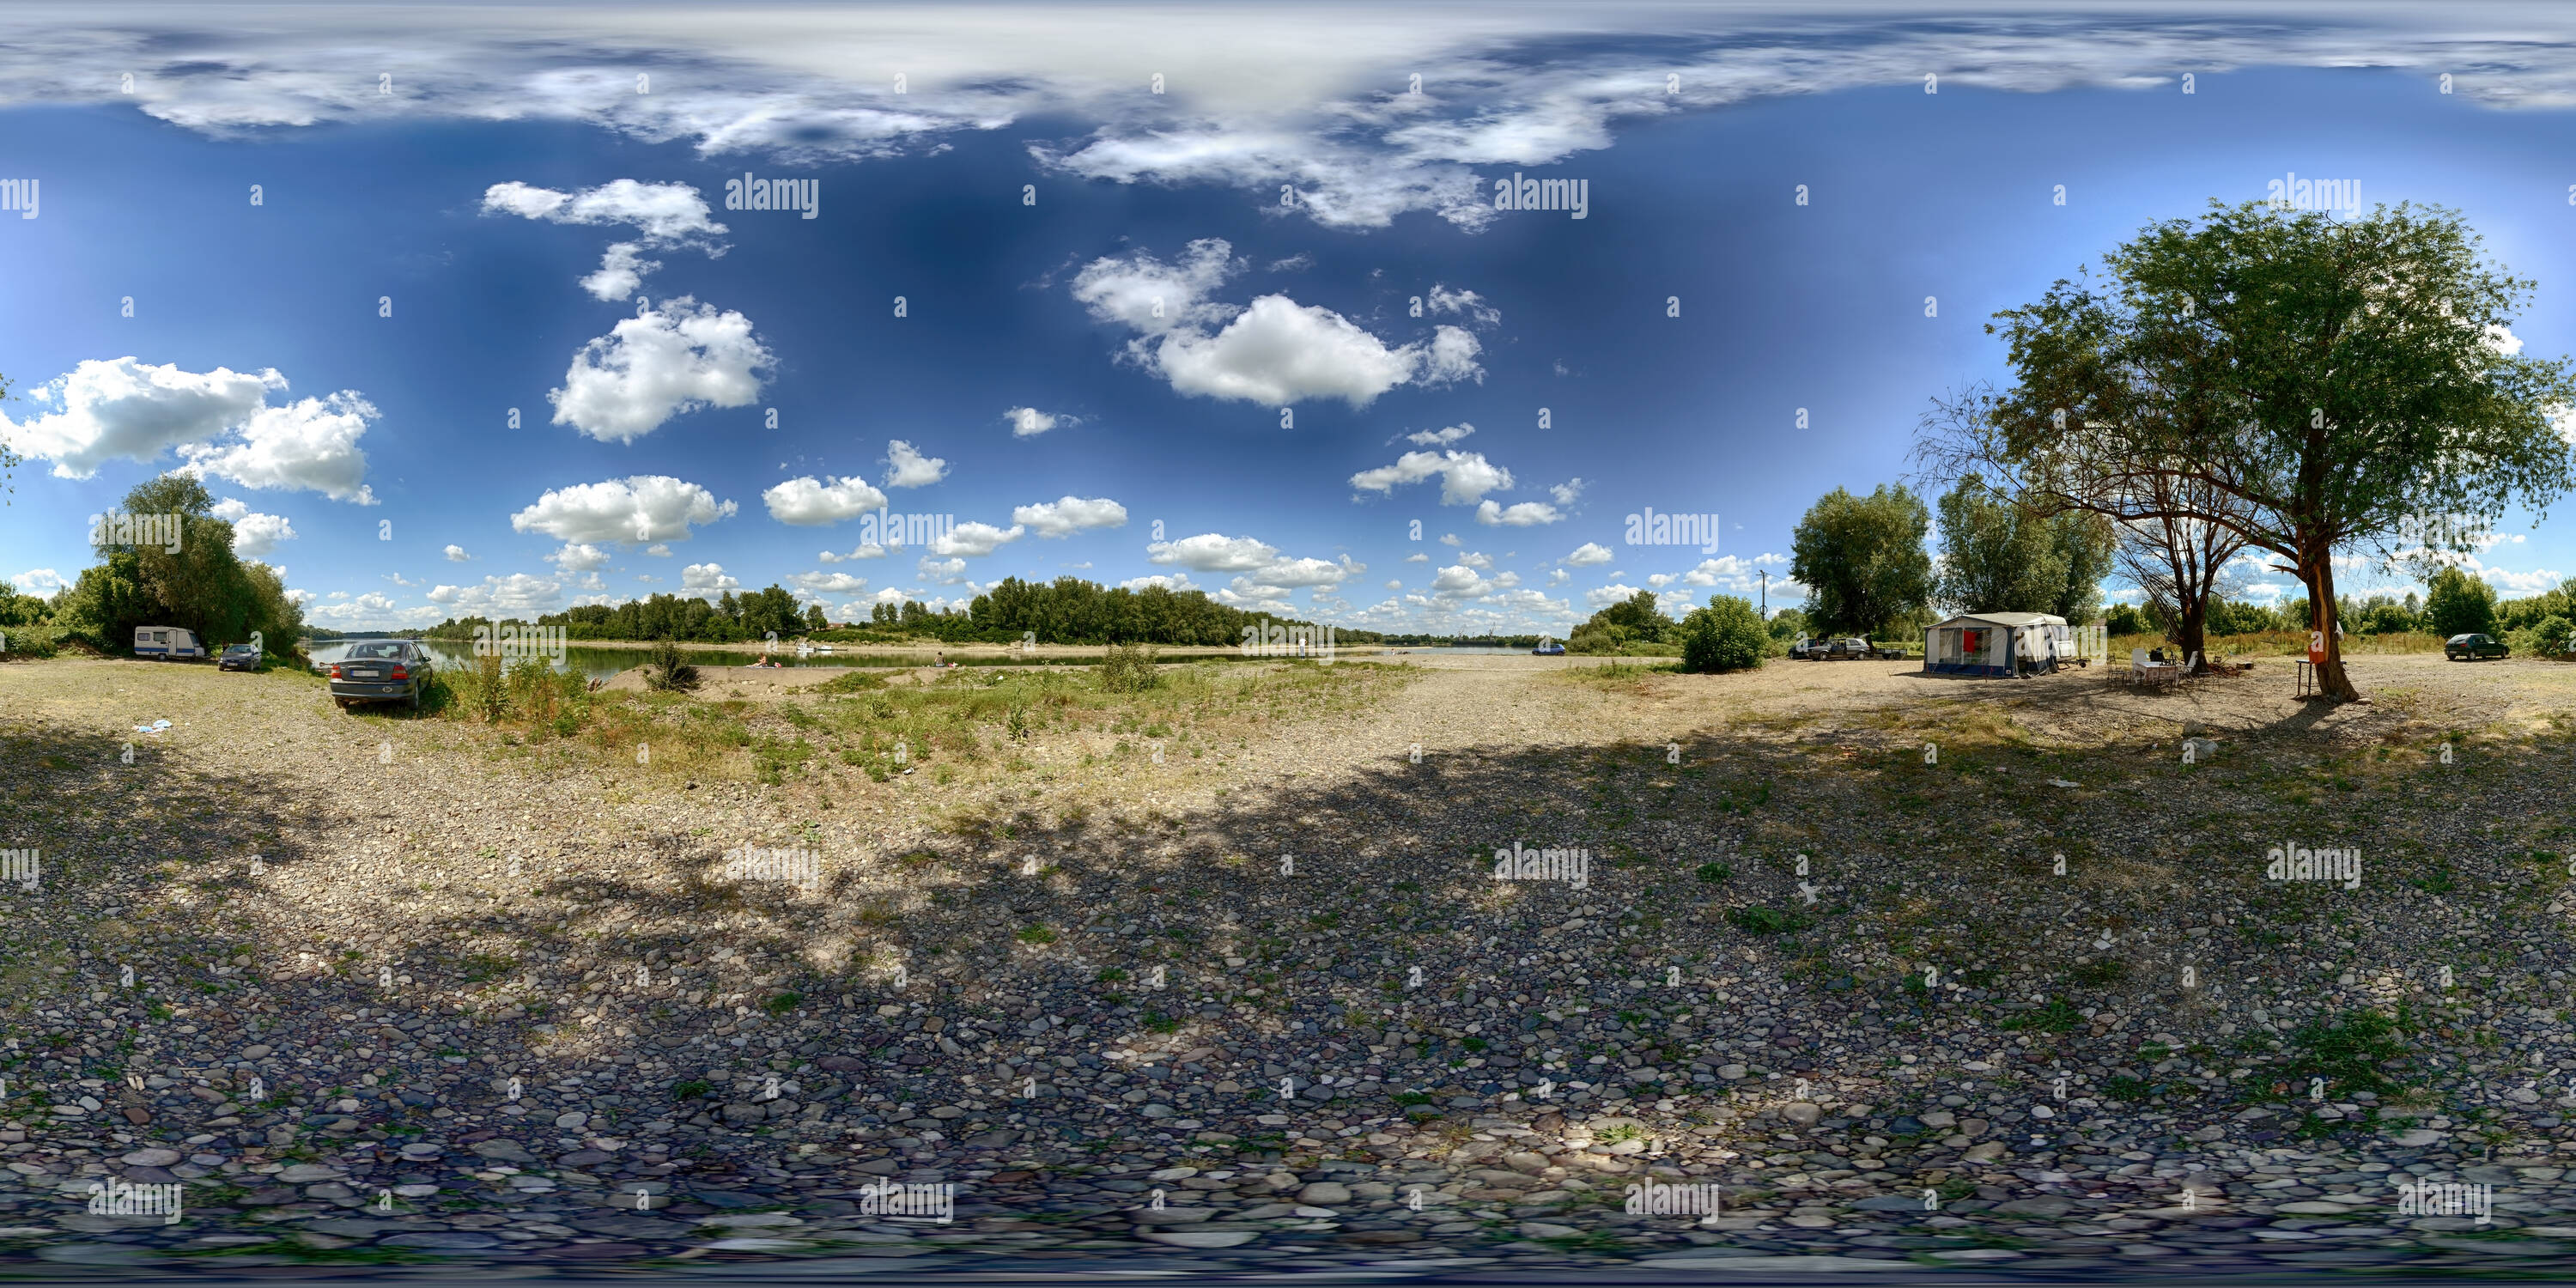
2191	629
2318	573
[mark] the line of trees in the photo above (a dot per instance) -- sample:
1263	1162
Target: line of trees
1070	610
2272	383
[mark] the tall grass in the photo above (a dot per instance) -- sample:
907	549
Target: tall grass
2284	644
525	694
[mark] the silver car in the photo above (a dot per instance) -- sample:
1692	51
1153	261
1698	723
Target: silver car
380	671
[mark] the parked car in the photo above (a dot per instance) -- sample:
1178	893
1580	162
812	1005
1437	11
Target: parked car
1548	648
238	657
380	671
166	642
2472	647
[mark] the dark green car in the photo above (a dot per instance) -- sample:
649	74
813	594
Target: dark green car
2470	648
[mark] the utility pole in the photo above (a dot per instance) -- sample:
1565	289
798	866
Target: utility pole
1766	594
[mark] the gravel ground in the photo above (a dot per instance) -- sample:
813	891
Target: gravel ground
1270	1009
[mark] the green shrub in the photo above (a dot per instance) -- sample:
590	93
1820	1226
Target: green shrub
666	669
1127	668
1725	636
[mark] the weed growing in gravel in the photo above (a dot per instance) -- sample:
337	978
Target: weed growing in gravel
2349	1051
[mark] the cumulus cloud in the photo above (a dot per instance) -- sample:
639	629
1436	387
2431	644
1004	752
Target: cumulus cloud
578	557
664	212
1600	597
517	595
1443	300
812	502
1175	581
456	554
1458	581
640	508
253	534
1589	553
220	421
1478	560
906	467
1062	518
41	582
975	539
1566	491
679	357
1440	437
707	580
866	550
828	583
1523	515
1029	422
1465	477
1417	557
1273	351
621	272
311	444
946	571
1212	552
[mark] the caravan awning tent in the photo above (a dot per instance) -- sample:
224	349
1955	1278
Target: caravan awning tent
1995	643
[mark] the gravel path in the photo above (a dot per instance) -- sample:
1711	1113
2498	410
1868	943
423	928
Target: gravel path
1269	1009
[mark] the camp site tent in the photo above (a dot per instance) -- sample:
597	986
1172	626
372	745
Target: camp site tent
1996	643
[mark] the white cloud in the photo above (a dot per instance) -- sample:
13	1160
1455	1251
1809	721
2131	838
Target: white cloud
311	444
578	557
1417	557
2538	581
642	507
1029	422
679	357
253	534
1177	581
906	467
1465	477
1558	577
1210	552
2503	340
660	551
1478	560
41	582
707	580
1393	584
1458	581
975	539
1566	491
1274	351
828	583
1525	514
1604	596
811	502
517	595
1443	300
1440	437
946	571
121	409
865	550
621	272
666	213
1450	539
456	554
1069	515
1145	294
1294	573
1589	553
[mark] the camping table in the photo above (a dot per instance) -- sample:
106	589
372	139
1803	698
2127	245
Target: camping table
2307	677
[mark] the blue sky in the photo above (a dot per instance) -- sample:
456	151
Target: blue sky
1029	198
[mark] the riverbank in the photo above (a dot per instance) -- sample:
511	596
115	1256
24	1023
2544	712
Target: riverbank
1028	899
